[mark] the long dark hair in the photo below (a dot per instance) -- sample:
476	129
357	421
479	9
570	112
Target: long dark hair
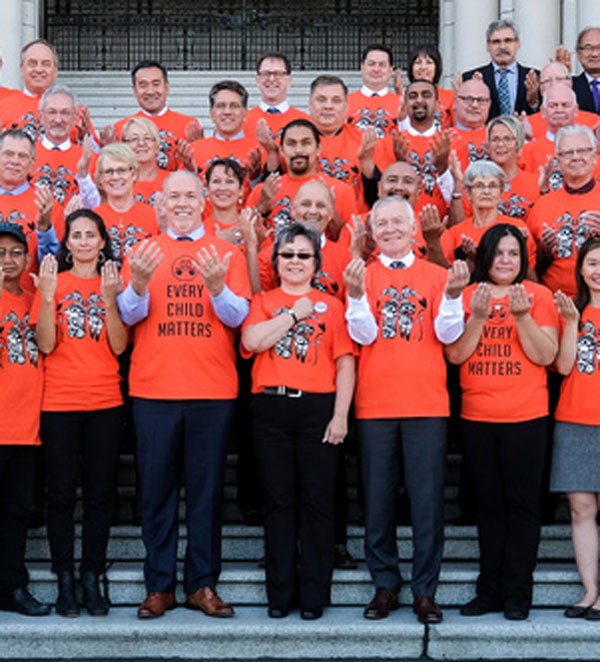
486	251
63	251
582	298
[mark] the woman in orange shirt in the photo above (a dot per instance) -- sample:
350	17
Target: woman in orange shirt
576	453
80	332
303	380
510	337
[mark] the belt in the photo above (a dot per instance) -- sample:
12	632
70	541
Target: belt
283	390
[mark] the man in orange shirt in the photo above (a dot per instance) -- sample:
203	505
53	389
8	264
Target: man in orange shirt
187	293
21	396
151	88
471	109
375	104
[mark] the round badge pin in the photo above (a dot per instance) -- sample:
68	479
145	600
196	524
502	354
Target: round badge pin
320	307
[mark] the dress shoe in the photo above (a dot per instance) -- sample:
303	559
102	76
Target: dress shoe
593	614
276	612
311	614
577	611
155	605
480	605
427	610
516	613
206	599
66	601
95	603
343	560
381	605
21	601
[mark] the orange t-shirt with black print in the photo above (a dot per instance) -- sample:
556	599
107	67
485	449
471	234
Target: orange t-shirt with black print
403	373
499	382
579	390
81	373
451	239
275	121
535	154
21	374
171	128
57	169
182	351
148	190
304	358
206	150
565	214
380	112
127	228
470	146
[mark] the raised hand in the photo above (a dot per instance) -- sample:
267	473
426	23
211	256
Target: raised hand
354	278
458	278
519	302
143	263
110	281
213	269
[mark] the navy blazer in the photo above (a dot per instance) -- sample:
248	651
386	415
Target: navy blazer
487	71
585	98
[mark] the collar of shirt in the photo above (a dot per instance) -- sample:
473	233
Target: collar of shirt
160	113
196	234
238	136
408	259
323	241
426	134
586	188
30	94
368	92
550	136
64	146
15	191
590	78
282	107
512	68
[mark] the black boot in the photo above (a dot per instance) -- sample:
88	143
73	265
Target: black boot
66	602
95	602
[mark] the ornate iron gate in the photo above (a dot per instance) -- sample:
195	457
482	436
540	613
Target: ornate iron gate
231	34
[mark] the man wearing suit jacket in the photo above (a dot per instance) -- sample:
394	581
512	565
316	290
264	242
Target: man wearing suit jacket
587	85
513	87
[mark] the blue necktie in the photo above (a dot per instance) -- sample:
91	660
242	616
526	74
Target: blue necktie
397	264
596	93
504	93
184	238
273	111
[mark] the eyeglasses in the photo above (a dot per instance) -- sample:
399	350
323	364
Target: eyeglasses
570	153
139	139
15	253
480	186
300	255
272	74
589	48
504	140
120	172
471	100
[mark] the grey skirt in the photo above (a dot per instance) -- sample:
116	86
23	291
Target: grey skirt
575	458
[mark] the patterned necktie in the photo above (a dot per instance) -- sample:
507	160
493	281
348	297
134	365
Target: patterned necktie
397	264
184	238
504	93
596	93
273	111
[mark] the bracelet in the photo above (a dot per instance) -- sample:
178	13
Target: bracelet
456	196
293	315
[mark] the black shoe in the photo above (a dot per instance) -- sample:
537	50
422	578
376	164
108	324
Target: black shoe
311	614
577	611
343	560
21	601
95	603
66	602
516	613
592	614
480	605
276	612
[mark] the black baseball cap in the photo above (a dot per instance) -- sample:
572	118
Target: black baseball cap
13	230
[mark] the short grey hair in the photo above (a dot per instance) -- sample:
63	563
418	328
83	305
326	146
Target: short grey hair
59	88
503	23
484	169
383	202
550	89
575	130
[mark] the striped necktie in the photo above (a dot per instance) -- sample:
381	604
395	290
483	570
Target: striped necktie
504	93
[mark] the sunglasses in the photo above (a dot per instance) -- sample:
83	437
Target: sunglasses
290	255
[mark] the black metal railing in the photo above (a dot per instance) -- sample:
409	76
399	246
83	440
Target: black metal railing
231	34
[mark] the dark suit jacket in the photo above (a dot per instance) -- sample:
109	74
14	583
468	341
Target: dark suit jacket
487	71
582	90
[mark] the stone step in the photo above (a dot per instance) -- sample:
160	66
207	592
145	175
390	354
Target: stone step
245	543
341	633
556	584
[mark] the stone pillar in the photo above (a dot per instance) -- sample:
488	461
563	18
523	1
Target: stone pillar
540	29
11	30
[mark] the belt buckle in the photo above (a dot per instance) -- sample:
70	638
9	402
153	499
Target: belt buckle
297	393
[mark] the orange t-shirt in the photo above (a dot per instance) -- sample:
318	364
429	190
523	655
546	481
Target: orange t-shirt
403	373
182	351
147	191
452	238
329	279
378	111
206	150
21	375
81	373
281	211
499	383
171	128
304	358
470	146
127	228
56	170
536	154
579	390
276	121
444	114
539	126
563	213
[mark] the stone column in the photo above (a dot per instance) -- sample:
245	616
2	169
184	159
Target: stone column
11	30
540	29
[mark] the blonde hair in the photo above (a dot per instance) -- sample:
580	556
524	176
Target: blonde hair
118	152
144	124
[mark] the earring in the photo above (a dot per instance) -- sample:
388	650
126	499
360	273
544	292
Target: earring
69	257
101	258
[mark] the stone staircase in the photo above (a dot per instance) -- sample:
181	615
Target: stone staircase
342	632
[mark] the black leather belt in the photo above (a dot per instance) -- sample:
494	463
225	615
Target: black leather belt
283	390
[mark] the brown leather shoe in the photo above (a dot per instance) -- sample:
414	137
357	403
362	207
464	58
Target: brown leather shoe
156	604
427	610
207	600
381	605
